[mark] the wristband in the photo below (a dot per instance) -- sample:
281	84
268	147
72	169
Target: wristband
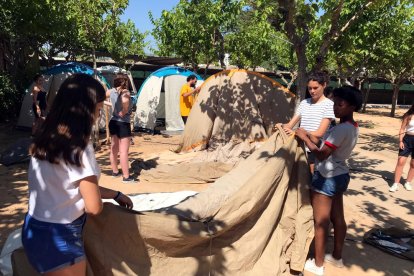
117	195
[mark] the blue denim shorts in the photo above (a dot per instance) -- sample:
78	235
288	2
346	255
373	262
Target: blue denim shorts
330	186
52	246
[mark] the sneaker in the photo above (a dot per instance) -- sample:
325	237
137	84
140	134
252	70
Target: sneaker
330	259
394	187
116	174
130	179
407	186
312	267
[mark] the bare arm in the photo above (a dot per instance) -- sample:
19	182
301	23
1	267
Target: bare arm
192	92
125	99
323	127
35	91
320	154
92	195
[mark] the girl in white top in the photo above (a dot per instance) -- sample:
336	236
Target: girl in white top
63	180
315	113
406	148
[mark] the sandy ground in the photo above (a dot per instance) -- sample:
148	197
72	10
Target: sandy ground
367	203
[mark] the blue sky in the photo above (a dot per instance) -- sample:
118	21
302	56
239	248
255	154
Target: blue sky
138	10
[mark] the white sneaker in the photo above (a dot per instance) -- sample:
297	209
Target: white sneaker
312	267
394	187
330	259
407	186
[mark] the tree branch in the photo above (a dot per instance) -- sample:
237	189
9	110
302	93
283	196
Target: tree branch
334	32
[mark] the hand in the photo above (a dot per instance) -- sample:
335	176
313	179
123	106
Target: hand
402	145
277	125
301	133
124	201
121	114
287	130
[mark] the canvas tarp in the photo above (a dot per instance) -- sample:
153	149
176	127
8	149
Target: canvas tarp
255	220
186	173
235	109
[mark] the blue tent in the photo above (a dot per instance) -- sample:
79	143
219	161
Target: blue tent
54	77
158	98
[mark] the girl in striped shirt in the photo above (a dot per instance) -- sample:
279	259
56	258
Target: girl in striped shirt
315	113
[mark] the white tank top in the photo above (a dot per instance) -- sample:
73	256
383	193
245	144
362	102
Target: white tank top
410	126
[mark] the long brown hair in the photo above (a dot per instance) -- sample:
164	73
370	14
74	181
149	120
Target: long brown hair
68	126
409	112
121	81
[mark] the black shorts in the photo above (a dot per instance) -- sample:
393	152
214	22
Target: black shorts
408	141
42	111
120	129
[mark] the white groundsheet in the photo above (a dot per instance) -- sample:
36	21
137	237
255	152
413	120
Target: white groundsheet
142	202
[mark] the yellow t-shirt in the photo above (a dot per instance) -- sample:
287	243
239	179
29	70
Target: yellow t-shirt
186	102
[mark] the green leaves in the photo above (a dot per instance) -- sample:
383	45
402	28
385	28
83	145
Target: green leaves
194	30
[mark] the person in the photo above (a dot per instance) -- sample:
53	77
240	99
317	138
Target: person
39	103
63	180
120	127
187	96
406	148
328	92
331	177
315	113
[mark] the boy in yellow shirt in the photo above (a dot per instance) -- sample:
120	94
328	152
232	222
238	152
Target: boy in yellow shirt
186	96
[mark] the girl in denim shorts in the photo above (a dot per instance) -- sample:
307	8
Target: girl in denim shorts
63	180
331	177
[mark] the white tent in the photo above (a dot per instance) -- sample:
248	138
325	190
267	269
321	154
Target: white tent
54	77
159	98
109	72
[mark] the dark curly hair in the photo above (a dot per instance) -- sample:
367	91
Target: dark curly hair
350	94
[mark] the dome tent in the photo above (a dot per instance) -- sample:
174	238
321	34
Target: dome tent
54	77
235	109
109	72
159	97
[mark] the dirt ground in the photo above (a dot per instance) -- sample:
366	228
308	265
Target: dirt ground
367	201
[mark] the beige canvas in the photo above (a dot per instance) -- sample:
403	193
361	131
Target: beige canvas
235	107
255	220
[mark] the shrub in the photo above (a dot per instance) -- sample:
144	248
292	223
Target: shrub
10	99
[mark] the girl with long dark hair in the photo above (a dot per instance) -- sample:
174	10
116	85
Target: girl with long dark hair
63	180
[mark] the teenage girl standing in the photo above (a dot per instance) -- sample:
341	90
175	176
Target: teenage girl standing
63	180
315	113
406	148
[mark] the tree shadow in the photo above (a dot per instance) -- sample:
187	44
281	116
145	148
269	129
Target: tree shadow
13	187
379	142
236	108
365	168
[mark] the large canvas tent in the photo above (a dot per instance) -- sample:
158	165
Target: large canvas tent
159	97
255	220
54	77
234	110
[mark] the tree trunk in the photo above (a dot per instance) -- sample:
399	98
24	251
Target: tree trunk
94	59
366	95
302	78
395	91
